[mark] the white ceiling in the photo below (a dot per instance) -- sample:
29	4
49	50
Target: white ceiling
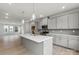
15	10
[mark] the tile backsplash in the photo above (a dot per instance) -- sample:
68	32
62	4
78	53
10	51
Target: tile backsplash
65	31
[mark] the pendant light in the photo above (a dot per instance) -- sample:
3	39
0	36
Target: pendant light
23	17
33	15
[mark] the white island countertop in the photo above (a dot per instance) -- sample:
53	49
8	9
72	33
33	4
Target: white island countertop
36	38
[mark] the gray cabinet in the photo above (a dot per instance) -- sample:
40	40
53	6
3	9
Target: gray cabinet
52	23
74	43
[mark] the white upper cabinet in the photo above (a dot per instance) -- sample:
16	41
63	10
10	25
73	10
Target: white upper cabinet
73	20
70	20
59	22
44	21
40	25
52	23
62	22
65	22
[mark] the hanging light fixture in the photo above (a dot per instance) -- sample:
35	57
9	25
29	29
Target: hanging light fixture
33	15
23	21
23	17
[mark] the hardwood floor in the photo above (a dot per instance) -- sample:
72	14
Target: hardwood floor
20	50
12	45
57	50
12	51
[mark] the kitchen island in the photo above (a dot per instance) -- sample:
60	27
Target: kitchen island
38	44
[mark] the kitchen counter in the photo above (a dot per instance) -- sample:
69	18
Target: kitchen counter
72	35
38	44
36	38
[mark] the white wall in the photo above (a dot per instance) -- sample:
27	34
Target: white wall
6	21
26	27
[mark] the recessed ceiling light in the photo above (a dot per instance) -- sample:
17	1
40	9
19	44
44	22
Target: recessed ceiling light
6	13
23	21
63	7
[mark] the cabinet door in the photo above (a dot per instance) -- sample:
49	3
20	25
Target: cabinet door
64	22
77	43
78	19
70	18
58	39
75	20
52	23
64	41
54	39
44	21
59	22
40	25
73	43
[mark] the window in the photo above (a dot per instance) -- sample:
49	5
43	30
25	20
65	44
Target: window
11	28
6	28
16	29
